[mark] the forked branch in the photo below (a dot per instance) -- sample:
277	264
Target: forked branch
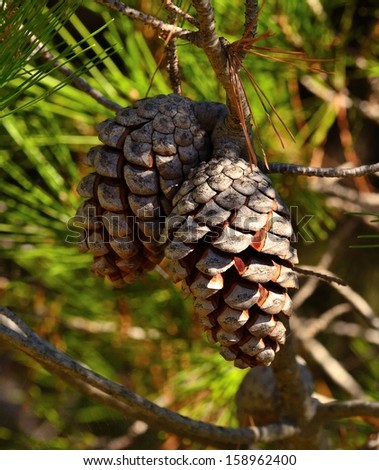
16	334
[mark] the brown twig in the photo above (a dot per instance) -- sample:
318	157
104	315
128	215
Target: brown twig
331	366
309	287
325	276
312	327
358	302
173	67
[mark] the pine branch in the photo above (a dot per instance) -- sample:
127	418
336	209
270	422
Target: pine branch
296	404
360	304
173	67
251	17
15	333
216	50
76	81
212	44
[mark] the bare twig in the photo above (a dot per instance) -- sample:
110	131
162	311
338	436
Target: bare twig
101	327
360	304
327	94
330	365
348	199
179	12
251	13
368	108
312	327
324	276
150	20
173	67
347	409
311	284
292	169
67	368
353	330
208	36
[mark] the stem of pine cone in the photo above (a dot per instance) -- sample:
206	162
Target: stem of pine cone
251	22
215	48
172	58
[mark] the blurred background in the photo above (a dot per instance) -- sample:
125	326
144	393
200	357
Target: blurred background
143	336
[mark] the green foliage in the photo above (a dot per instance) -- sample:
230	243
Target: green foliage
25	27
142	336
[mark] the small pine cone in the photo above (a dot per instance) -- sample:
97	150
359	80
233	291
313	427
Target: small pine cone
149	148
229	242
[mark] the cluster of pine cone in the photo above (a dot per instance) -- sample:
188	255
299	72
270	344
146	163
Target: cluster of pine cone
155	191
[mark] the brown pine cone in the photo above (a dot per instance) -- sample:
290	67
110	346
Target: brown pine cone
149	148
229	239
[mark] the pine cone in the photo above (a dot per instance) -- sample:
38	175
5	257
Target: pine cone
229	239
148	150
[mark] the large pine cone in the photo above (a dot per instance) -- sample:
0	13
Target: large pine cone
148	150
229	239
